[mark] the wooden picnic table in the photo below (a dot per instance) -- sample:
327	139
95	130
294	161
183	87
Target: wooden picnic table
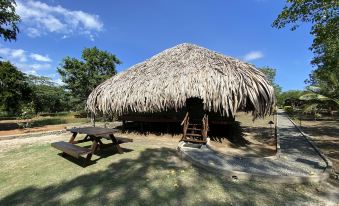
94	134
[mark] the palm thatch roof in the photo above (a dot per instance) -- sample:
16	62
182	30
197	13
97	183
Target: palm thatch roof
167	79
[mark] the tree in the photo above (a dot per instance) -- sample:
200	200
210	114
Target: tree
270	74
291	94
313	101
15	90
323	15
8	20
47	96
82	76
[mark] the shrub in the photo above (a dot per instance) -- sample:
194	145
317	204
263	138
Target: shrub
317	115
288	109
27	112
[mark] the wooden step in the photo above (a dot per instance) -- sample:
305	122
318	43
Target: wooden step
195	129
194	124
195	141
71	149
193	135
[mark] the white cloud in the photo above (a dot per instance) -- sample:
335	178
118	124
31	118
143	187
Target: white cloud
41	18
91	37
4	51
253	55
40	58
19	58
13	54
33	32
33	68
18	54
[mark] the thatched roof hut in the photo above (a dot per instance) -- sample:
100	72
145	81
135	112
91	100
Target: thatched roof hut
168	79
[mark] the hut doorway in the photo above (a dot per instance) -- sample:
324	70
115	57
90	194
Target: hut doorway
195	108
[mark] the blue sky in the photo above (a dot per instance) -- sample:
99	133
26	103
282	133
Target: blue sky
137	30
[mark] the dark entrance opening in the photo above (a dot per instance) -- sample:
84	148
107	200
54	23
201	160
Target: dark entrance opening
195	108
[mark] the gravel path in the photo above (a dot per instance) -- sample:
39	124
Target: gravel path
298	157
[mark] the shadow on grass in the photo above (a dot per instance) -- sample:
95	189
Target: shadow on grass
154	178
100	154
330	129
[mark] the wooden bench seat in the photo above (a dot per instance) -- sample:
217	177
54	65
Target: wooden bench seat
123	140
119	139
71	149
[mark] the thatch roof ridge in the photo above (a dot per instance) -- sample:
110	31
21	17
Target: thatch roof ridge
167	79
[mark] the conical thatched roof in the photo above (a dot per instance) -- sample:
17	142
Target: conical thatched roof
169	78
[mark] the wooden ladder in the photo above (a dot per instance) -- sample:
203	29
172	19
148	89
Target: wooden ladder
194	133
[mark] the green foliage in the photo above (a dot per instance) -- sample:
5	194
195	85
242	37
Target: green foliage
47	96
27	112
15	90
270	74
8	20
288	109
291	94
314	101
327	83
82	76
323	14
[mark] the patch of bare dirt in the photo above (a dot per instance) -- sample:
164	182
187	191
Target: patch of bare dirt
18	131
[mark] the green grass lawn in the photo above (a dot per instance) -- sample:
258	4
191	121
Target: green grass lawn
150	173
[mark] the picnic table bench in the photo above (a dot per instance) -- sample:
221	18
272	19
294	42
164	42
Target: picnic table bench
94	134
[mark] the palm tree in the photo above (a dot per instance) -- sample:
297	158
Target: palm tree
314	101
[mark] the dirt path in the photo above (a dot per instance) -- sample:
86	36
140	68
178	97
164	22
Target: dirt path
32	130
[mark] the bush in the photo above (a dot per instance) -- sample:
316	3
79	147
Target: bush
288	109
27	112
317	115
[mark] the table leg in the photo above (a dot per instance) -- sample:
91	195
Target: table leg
94	146
116	144
100	145
71	140
93	149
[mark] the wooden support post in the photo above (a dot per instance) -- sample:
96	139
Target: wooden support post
93	119
167	128
123	125
142	127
